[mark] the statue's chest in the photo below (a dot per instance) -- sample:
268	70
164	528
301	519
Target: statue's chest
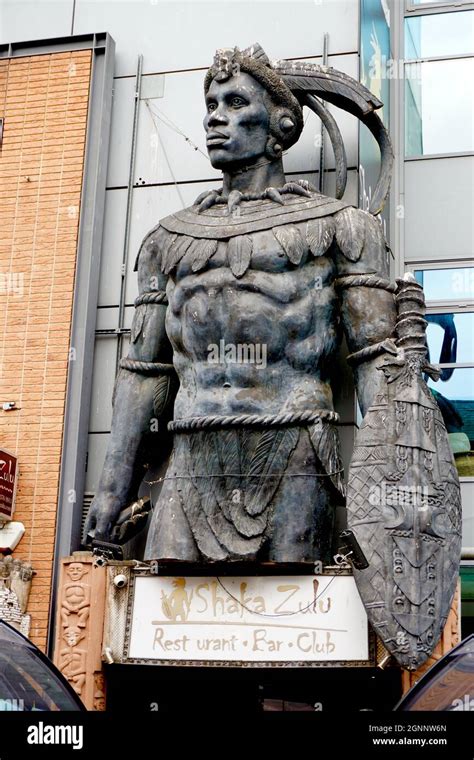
280	249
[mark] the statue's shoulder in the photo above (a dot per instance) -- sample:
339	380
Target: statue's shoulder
152	245
360	242
320	219
196	230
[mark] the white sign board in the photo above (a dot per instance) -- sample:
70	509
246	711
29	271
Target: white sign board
252	619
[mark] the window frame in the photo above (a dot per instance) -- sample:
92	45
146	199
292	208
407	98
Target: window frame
448	306
441	6
432	9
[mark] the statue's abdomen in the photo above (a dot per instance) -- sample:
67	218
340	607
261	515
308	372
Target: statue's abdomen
254	343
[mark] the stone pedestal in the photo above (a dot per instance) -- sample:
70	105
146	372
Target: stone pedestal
79	624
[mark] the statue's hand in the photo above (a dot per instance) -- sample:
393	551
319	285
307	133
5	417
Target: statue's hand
102	516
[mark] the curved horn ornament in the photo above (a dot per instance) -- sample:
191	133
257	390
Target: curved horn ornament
337	142
307	80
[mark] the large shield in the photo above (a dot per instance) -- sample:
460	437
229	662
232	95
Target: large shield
403	499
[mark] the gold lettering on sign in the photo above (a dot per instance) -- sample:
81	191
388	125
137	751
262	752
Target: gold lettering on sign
243	619
179	603
263	643
311	642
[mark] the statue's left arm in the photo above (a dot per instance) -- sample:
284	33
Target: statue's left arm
368	308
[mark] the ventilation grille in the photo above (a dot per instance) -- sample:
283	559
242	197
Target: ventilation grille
88	497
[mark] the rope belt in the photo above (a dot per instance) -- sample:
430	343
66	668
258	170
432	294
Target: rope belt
214	422
152	296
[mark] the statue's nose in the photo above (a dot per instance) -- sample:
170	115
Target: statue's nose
217	117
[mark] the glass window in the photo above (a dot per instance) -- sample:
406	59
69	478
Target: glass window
455	398
439	112
467	595
447	284
451	338
439	34
437	2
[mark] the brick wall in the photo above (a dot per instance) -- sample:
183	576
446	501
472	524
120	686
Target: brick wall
44	101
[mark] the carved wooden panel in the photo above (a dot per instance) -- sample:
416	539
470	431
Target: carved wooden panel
79	625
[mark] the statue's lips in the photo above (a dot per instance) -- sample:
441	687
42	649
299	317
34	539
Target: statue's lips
216	138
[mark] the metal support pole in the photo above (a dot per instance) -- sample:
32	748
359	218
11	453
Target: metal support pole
321	152
126	243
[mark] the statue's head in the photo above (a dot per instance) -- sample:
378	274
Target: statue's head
251	113
255	109
75	571
73	635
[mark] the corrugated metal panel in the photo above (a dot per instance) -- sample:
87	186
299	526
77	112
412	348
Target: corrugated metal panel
86	502
346	436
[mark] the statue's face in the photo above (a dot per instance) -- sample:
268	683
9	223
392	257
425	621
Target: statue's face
72	636
75	571
237	121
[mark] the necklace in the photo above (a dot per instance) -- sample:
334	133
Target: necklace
235	197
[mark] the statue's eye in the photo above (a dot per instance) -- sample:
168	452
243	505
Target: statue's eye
211	107
238	102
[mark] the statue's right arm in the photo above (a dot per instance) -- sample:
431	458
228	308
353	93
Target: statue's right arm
368	308
133	408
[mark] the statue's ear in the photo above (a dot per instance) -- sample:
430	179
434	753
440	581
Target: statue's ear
283	126
273	148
